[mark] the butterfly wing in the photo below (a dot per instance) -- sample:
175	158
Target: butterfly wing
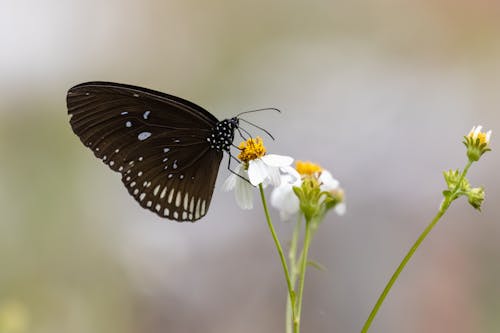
156	141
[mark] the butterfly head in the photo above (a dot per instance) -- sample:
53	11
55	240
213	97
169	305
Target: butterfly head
222	134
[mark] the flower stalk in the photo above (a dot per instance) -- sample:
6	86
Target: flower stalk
477	144
291	292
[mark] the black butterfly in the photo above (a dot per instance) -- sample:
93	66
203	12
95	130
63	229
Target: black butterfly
167	149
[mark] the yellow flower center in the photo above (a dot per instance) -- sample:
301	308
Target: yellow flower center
251	149
306	168
483	137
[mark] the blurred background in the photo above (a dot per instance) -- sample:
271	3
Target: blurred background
378	92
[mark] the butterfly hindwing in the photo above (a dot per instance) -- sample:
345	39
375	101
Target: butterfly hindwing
158	143
171	185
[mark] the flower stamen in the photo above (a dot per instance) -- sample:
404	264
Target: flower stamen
251	149
307	168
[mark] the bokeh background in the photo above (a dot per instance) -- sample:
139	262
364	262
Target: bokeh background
378	92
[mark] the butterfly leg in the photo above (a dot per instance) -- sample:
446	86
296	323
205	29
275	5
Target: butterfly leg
231	170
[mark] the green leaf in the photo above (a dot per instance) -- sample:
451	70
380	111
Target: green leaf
317	265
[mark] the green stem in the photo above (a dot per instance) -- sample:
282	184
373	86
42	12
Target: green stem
459	183
305	251
444	207
291	292
292	260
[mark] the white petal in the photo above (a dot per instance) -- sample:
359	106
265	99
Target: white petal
277	160
488	135
340	208
476	132
274	176
284	199
328	183
243	194
257	171
230	181
290	175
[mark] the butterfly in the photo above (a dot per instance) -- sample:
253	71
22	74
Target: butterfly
167	149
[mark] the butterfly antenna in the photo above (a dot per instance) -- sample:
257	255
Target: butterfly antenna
262	129
246	132
257	110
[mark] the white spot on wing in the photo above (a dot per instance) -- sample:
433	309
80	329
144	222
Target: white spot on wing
166	212
166	150
197	212
144	135
128	124
163	193
184	215
141	197
178	199
203	206
124	113
191	205
146	114
156	190
171	196
176	215
186	201
158	207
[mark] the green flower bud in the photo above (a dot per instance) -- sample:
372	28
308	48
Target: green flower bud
476	197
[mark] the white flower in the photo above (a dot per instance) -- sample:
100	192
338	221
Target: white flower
286	201
264	170
283	196
476	132
242	188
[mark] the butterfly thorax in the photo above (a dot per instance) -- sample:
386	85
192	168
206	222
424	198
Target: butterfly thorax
222	134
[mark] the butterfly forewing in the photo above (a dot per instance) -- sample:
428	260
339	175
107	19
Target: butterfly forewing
158	143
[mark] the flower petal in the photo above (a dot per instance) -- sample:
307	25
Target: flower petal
257	171
488	136
230	182
327	181
284	199
243	194
291	176
274	176
340	208
277	160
